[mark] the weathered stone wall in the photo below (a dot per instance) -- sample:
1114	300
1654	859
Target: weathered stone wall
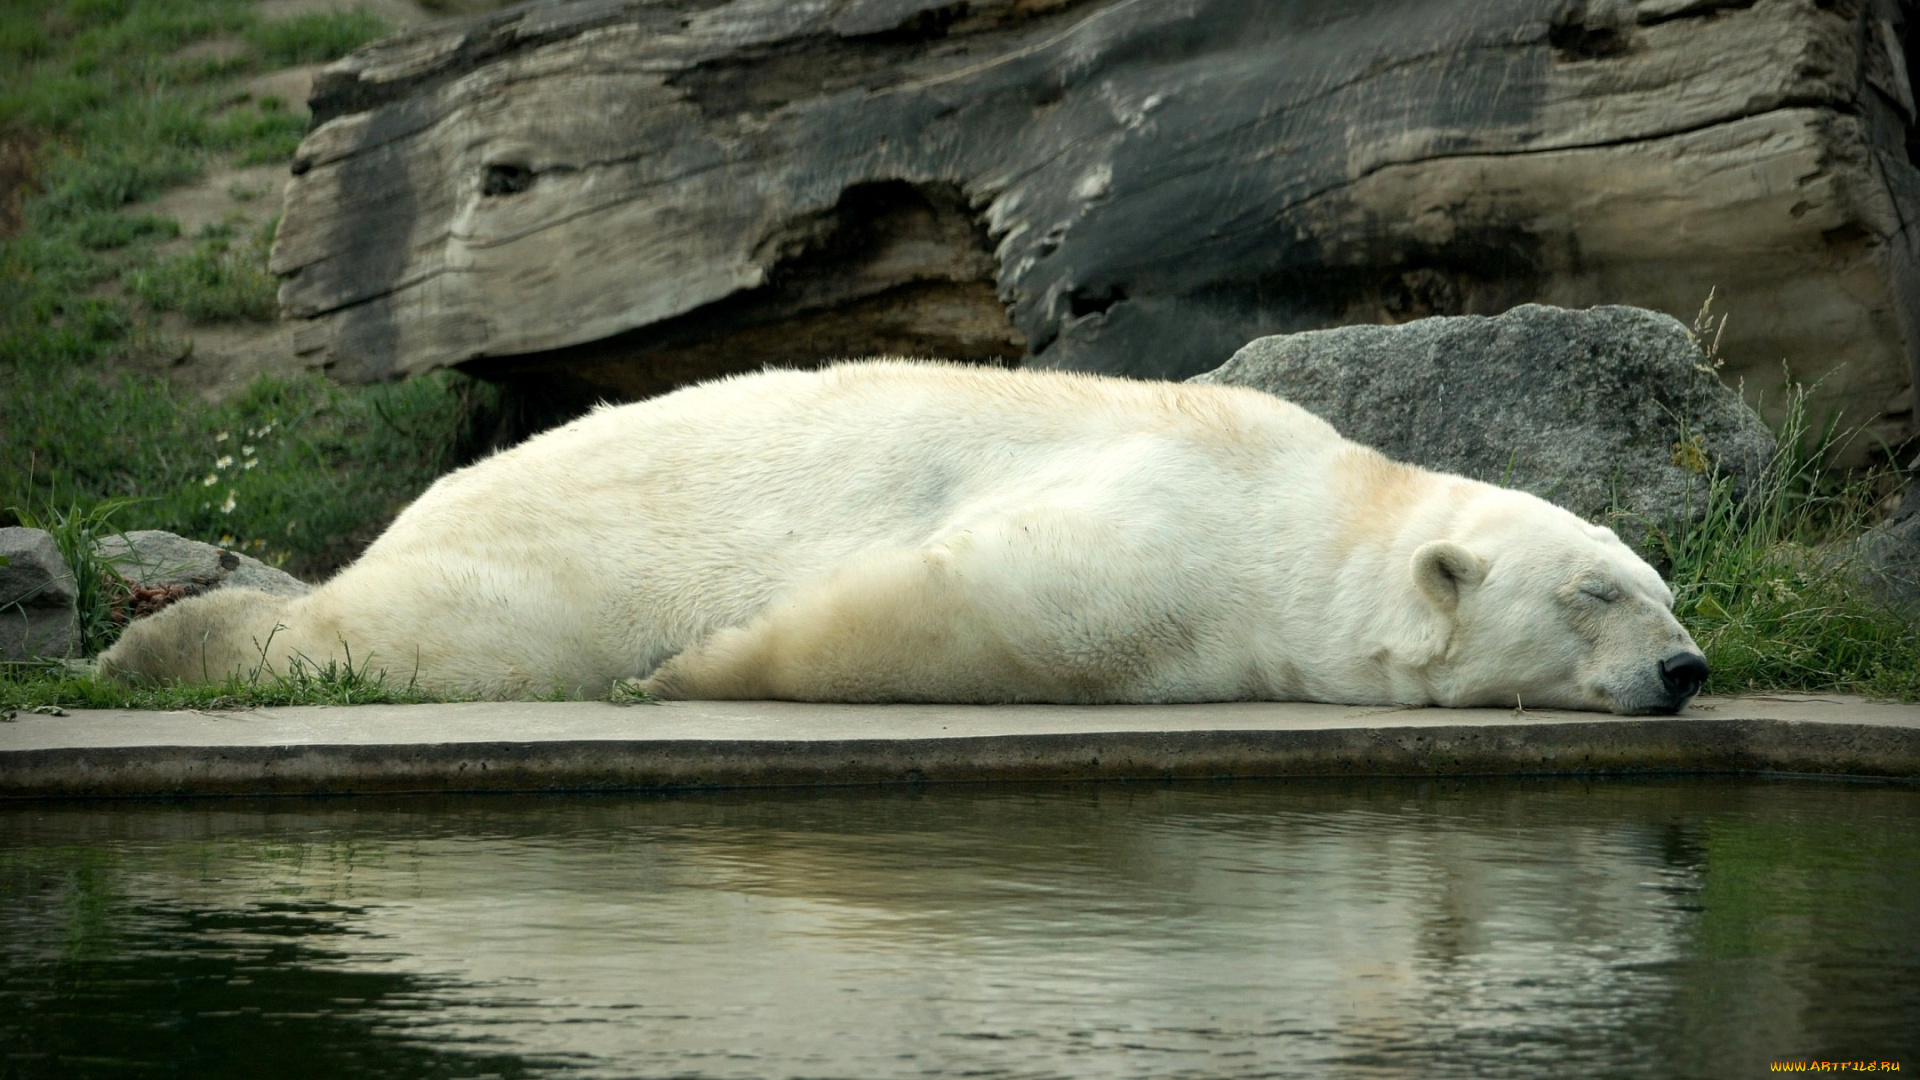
626	195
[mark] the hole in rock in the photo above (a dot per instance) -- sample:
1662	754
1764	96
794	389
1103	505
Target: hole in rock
506	180
928	25
1080	305
891	268
1576	37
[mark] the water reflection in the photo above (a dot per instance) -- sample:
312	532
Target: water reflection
1385	929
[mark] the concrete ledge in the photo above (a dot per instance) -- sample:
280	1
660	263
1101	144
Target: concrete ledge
574	746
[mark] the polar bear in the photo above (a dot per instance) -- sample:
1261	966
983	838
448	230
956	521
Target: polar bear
914	531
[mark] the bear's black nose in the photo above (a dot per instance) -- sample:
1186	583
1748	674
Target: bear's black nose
1683	673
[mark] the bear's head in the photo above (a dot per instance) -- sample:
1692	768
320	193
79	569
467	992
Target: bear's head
1543	609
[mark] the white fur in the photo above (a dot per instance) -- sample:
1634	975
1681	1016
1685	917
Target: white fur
911	531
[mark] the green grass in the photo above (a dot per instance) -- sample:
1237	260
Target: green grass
218	281
27	687
299	472
313	39
118	100
259	132
115	112
1764	585
98	586
105	232
60	686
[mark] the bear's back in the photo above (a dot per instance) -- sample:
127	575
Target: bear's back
873	438
740	487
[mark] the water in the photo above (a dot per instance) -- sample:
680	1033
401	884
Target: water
1380	929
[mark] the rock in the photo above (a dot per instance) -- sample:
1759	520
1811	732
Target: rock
623	195
37	598
173	567
1886	560
1593	409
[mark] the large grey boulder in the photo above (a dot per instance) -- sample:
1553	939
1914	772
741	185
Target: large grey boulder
37	598
1607	408
163	567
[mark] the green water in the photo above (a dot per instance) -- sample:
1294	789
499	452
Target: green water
1384	929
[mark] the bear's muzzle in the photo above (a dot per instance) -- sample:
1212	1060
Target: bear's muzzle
1681	675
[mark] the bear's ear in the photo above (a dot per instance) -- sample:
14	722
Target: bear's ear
1441	568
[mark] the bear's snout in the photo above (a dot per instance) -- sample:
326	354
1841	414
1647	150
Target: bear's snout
1682	674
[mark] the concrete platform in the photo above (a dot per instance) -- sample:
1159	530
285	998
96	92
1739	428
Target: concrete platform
575	746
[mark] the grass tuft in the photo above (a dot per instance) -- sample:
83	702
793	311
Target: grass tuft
630	692
105	232
97	582
259	133
218	281
314	39
1766	587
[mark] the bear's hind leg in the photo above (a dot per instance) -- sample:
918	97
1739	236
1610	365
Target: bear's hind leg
895	625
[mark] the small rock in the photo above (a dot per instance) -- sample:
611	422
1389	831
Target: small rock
163	567
1591	410
37	597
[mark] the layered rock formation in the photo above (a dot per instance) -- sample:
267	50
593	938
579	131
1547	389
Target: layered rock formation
628	194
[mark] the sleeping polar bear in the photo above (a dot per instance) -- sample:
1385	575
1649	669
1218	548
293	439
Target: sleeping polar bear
905	531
